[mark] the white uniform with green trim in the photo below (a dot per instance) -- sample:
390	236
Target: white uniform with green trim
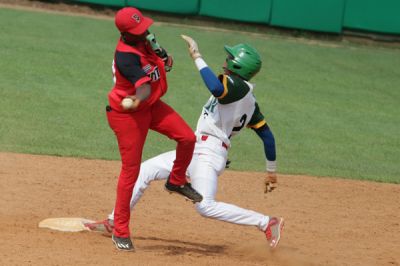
220	120
226	120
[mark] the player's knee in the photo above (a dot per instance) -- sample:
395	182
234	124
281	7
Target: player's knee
205	207
186	137
189	139
131	167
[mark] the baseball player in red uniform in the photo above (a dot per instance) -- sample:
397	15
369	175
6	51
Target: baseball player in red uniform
139	72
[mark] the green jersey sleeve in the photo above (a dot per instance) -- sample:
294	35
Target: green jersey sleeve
234	89
257	120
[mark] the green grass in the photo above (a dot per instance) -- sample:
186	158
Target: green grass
334	109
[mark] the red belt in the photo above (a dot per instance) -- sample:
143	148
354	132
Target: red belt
205	137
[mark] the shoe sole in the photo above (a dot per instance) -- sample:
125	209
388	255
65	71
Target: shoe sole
121	249
281	225
174	192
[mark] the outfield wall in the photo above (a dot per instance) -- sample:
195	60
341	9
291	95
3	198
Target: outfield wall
381	16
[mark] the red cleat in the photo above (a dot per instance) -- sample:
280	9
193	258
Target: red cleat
274	230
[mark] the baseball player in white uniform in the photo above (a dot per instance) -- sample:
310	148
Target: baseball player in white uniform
231	107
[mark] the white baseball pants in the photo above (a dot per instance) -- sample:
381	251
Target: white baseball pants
208	163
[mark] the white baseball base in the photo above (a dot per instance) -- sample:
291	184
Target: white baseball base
66	224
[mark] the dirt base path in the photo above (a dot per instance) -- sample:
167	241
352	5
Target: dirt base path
328	221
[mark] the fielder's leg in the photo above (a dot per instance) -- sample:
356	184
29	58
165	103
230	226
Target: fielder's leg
156	168
168	122
131	131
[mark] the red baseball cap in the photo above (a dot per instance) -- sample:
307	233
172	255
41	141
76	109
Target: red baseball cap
129	19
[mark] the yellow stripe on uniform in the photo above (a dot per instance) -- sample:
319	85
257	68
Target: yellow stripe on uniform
225	83
258	125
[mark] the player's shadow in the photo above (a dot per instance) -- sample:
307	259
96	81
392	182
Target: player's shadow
178	247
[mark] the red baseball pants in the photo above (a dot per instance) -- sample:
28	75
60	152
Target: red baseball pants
131	130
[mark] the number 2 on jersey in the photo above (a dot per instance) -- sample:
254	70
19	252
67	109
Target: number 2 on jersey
242	121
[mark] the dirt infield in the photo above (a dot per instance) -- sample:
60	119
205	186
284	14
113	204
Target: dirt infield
328	221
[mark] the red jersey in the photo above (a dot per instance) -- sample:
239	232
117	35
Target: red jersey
151	70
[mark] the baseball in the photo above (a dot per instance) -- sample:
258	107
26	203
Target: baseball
127	103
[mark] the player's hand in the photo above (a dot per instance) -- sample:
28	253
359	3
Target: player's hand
136	102
193	47
270	182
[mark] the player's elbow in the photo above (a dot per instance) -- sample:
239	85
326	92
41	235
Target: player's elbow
217	89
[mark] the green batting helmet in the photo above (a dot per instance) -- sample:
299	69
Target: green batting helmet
243	60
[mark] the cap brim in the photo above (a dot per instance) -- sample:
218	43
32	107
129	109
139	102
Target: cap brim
228	49
146	23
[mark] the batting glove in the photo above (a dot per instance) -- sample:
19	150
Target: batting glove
270	182
168	62
193	47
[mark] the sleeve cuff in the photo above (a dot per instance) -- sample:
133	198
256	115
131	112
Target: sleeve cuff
258	125
225	84
142	81
200	63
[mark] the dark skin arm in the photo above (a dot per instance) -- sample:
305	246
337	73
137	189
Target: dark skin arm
142	93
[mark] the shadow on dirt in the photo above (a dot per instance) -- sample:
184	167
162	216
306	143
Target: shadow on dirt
173	247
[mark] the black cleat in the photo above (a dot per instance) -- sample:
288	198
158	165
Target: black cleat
123	243
185	190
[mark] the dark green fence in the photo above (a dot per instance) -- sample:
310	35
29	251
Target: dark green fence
240	10
190	7
373	15
382	16
105	2
317	15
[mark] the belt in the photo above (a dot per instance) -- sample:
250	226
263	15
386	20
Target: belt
205	137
